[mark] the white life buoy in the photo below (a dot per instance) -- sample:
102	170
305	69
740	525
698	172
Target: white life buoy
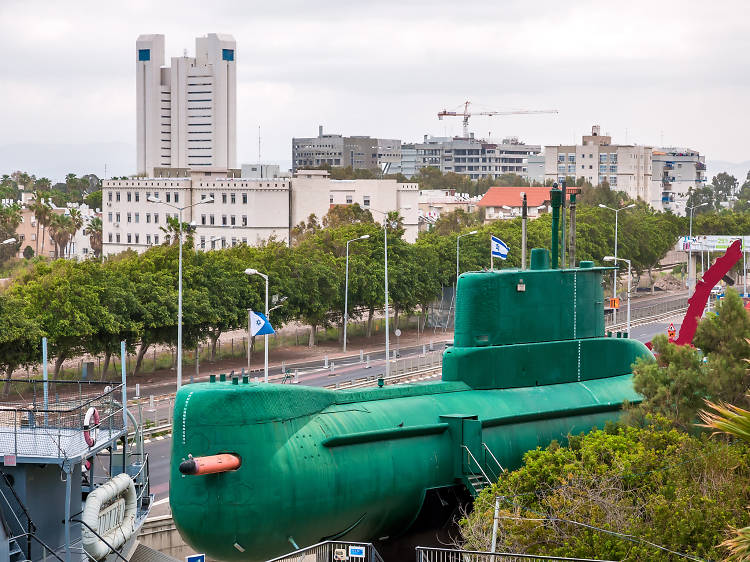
90	426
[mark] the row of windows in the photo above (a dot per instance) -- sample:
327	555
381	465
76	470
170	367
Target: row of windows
226	220
220	242
132	238
135	196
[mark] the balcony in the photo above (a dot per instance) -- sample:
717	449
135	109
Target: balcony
669	166
700	166
665	182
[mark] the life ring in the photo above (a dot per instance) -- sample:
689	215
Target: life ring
90	426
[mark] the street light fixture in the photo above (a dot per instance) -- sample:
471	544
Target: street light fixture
458	238
691	281
251	271
385	252
154	199
614	273
614	259
346	284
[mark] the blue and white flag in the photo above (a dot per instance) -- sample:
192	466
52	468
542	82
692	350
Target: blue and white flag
259	324
499	248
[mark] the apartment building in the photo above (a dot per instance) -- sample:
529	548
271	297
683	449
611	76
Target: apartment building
468	156
507	202
226	209
436	202
676	171
359	152
186	112
40	240
626	168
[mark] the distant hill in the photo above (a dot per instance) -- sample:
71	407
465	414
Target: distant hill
737	169
53	161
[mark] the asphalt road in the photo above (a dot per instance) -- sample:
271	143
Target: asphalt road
316	375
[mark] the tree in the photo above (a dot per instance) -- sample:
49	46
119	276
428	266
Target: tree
28	252
10	218
61	228
20	337
724	186
94	230
339	215
456	221
94	199
616	494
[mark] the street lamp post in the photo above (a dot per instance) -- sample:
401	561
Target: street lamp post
458	239
691	281
346	284
614	273
154	199
614	259
250	271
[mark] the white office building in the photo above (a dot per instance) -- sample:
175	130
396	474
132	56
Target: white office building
186	113
675	172
625	168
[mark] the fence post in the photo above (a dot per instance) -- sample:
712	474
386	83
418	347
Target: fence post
367	365
361	355
325	361
296	375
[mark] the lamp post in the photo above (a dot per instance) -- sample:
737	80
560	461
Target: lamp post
346	284
614	273
458	239
154	199
250	271
691	281
614	259
385	252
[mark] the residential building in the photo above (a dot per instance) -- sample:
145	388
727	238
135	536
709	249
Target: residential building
261	171
359	152
436	202
79	246
675	172
507	202
243	210
186	112
535	168
468	156
625	167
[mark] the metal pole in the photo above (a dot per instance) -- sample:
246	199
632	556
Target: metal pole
45	376
744	268
124	389
572	237
265	340
387	342
457	267
179	312
494	523
524	216
614	271
629	277
346	294
248	339
562	224
691	282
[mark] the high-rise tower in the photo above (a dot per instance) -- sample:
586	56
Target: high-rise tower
186	112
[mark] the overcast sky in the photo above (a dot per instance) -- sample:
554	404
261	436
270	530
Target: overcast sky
655	73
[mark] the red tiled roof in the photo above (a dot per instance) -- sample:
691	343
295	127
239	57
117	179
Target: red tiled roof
511	196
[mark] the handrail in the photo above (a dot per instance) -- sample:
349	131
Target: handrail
478	465
82	522
40	541
428	549
493	456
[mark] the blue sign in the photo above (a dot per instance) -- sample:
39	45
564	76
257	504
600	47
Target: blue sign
196	558
356	551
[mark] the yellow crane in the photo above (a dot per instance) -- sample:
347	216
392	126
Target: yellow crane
466	114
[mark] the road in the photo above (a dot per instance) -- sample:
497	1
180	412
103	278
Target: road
316	375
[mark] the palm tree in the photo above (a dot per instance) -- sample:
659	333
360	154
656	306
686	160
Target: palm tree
38	208
43	216
95	235
60	227
76	222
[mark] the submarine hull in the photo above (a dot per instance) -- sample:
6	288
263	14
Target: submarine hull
354	465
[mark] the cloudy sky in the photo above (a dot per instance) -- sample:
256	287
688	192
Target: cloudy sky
656	73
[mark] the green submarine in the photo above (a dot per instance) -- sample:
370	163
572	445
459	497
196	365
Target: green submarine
257	469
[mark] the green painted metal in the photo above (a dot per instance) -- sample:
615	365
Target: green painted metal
530	363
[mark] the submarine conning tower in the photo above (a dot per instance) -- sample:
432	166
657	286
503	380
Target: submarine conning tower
538	326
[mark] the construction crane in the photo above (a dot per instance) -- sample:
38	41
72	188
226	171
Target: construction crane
466	114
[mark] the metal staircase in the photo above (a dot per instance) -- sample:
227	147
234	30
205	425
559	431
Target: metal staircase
478	476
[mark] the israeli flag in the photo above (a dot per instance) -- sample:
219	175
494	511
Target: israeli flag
259	324
499	248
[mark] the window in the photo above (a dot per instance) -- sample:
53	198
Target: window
156	194
366	200
232	198
613	180
109	196
148	218
203	219
156	238
602	168
223	220
130	238
117	196
232	220
110	237
613	158
137	196
613	169
571	157
244	220
203	242
128	197
117	217
211	195
148	194
244	198
144	55
109	217
330	198
227	55
210	219
168	199
137	218
118	237
561	158
224	198
602	158
156	218
148	239
349	199
176	197
130	217
571	168
234	241
136	238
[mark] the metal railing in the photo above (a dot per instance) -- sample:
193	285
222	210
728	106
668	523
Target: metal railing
325	551
470	457
408	369
430	554
652	311
494	458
